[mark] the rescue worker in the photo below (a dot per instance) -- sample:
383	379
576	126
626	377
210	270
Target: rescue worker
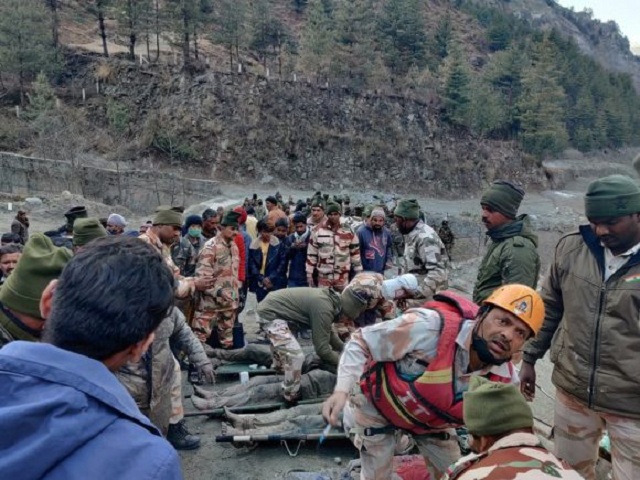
424	254
217	306
305	307
410	373
505	448
512	256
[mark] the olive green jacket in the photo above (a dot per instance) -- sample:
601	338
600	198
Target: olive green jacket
315	308
511	258
592	326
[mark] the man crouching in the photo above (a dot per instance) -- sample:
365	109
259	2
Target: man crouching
410	373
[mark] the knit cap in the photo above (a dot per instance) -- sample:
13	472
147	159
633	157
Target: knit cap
115	219
167	216
333	207
503	197
492	408
409	209
299	217
377	212
41	262
87	229
612	196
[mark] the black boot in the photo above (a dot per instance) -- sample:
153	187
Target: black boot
180	438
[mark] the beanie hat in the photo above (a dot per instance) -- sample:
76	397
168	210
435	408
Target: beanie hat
503	197
167	216
115	219
409	209
377	212
612	196
282	222
40	263
492	408
333	207
230	219
317	202
87	229
299	217
243	215
193	220
352	304
391	287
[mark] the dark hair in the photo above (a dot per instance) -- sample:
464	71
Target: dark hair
263	226
250	210
110	296
282	222
10	248
191	220
209	213
11	237
272	199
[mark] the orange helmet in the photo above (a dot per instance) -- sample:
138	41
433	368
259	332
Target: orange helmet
520	300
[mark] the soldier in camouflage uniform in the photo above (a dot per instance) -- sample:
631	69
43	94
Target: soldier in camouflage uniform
217	306
501	425
165	230
317	217
155	381
20	316
304	307
424	253
447	237
333	252
380	294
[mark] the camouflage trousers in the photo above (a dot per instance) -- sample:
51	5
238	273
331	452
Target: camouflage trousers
333	282
223	320
177	410
376	451
578	431
287	357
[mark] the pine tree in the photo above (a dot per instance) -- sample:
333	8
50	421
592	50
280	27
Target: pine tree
230	20
456	89
317	39
354	56
402	35
26	46
542	103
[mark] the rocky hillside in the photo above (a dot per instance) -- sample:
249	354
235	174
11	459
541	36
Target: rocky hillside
601	41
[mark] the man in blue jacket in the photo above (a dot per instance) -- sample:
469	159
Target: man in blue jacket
63	414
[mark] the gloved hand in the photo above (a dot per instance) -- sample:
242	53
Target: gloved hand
206	372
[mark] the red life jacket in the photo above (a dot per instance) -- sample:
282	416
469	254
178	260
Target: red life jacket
428	402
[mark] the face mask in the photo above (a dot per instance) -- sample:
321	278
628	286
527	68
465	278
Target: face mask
194	232
481	347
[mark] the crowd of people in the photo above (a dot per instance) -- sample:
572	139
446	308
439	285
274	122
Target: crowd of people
97	322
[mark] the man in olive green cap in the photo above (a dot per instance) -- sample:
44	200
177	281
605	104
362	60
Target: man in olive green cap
165	230
217	306
591	297
86	230
318	216
333	252
500	424
20	317
423	255
512	255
